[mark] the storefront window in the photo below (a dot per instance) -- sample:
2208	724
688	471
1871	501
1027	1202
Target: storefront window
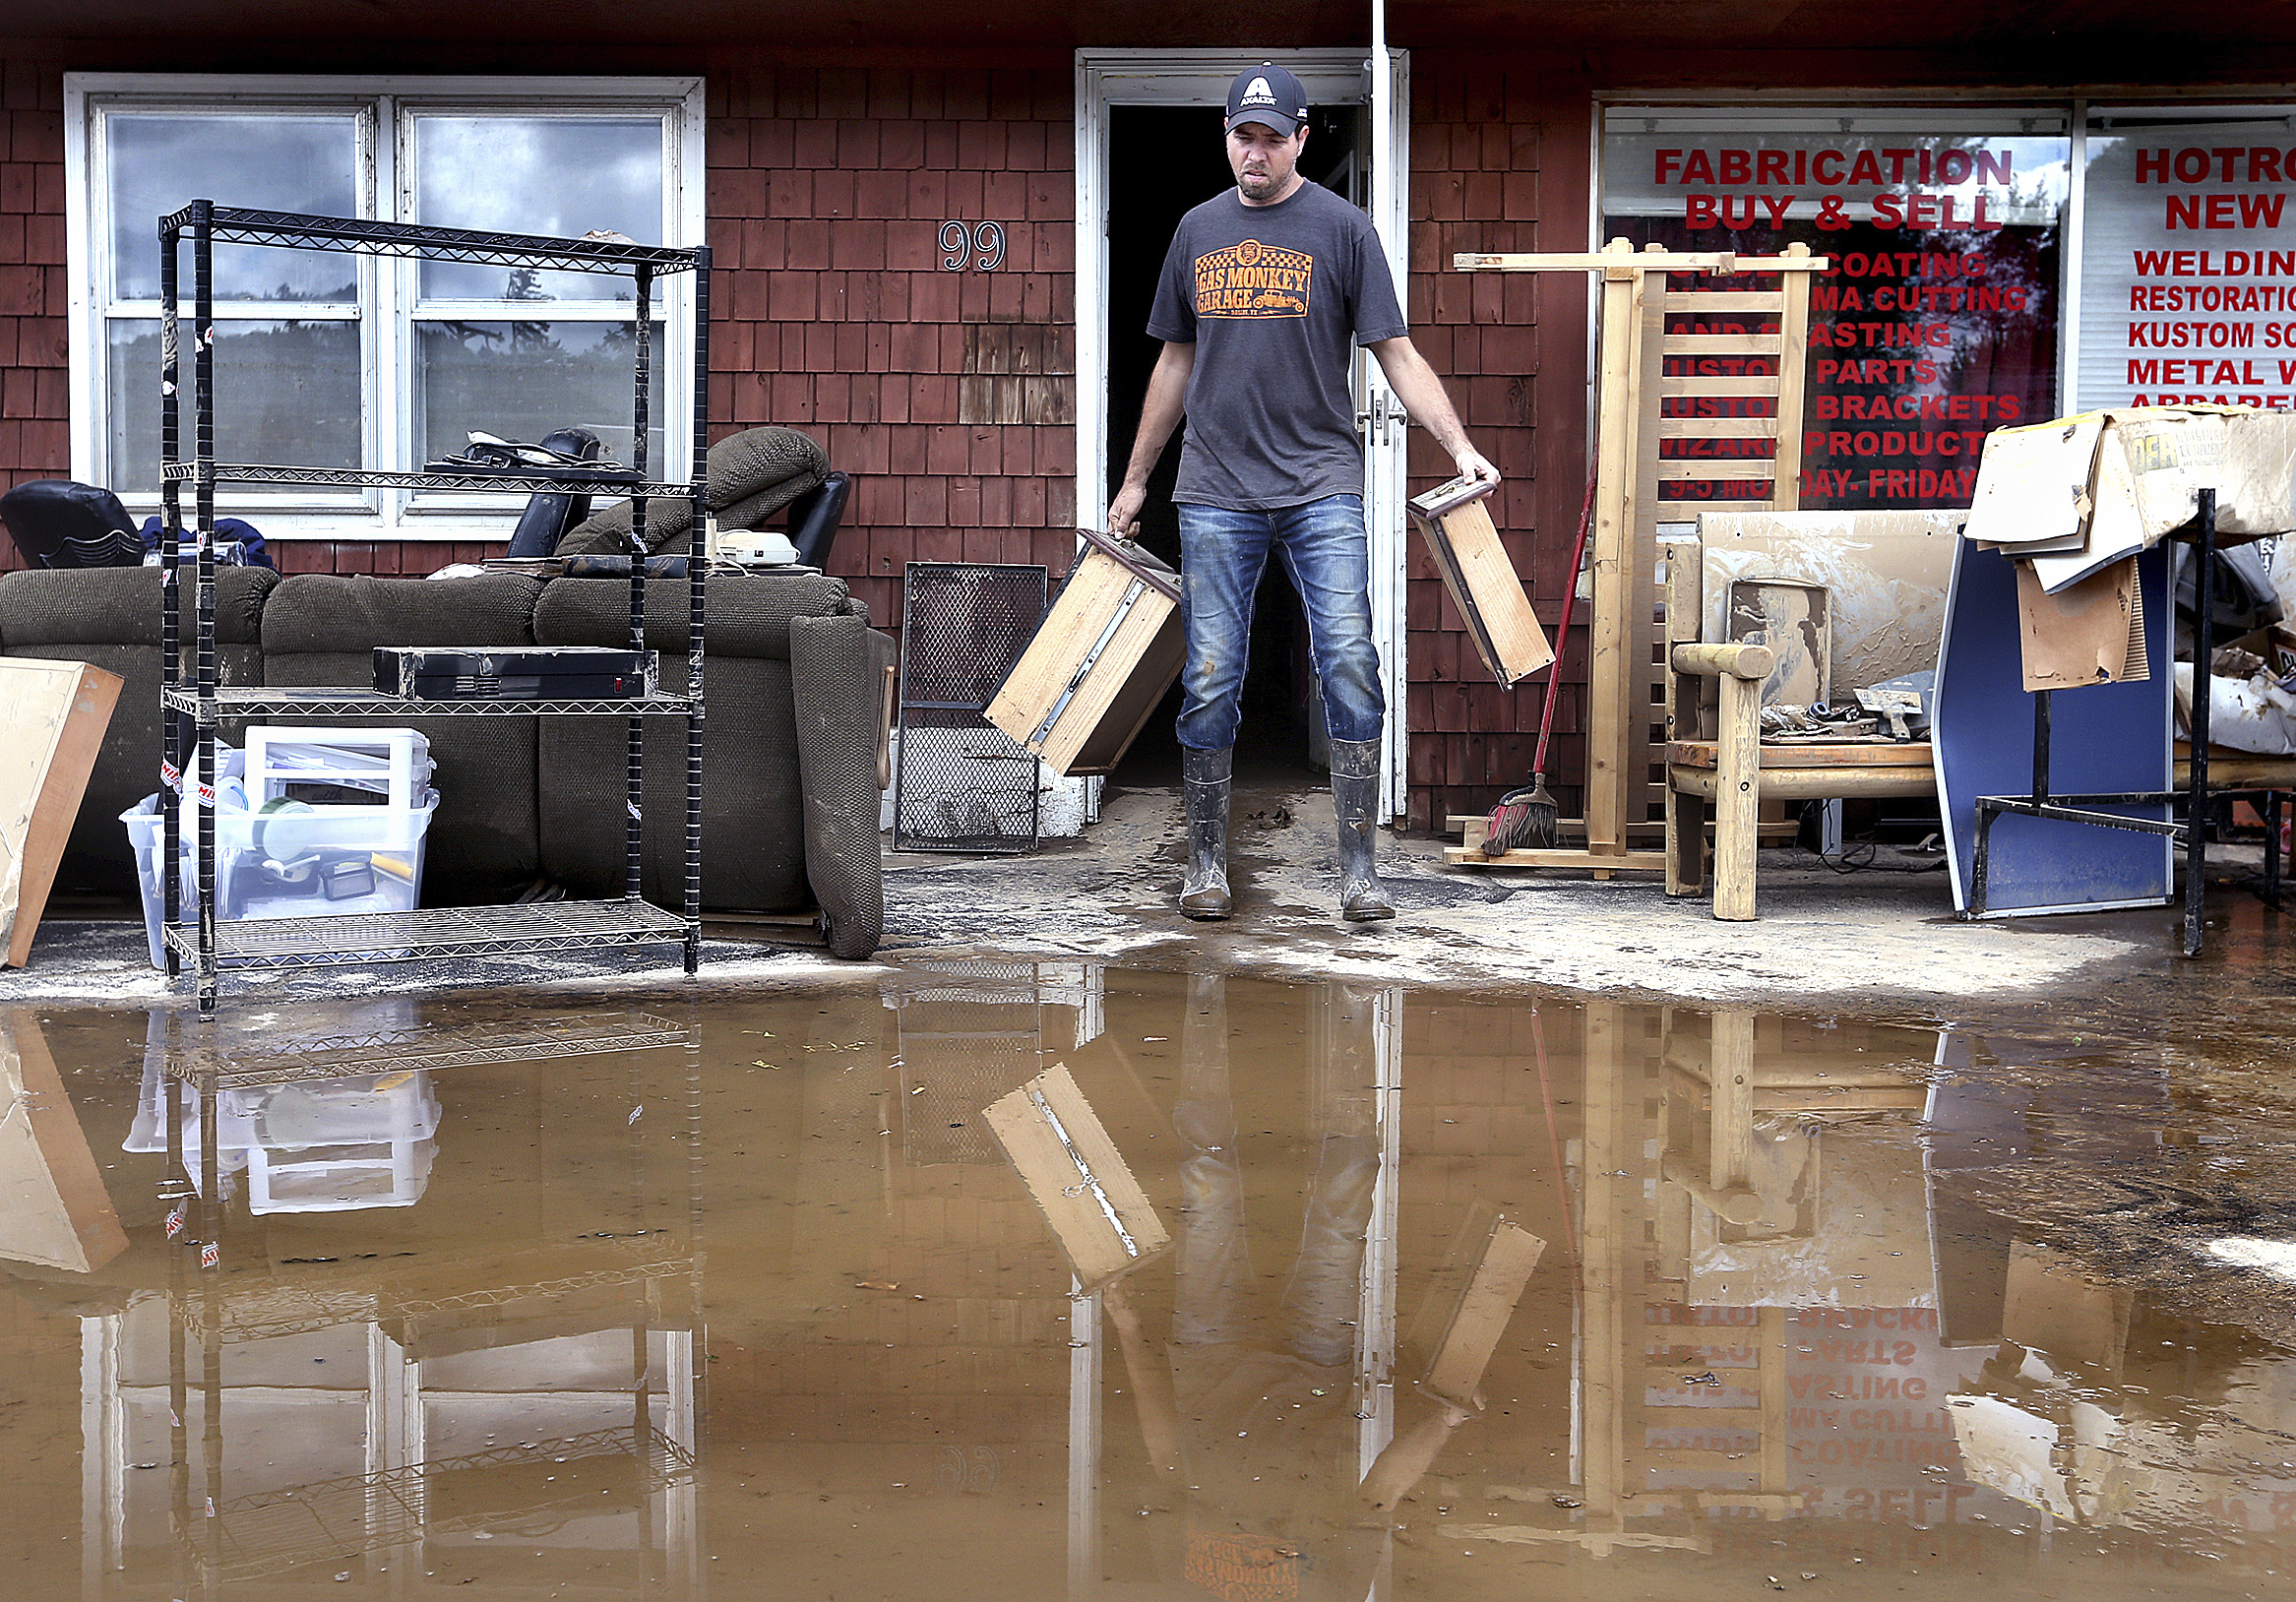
2188	261
1936	317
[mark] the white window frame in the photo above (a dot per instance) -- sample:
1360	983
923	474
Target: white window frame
387	307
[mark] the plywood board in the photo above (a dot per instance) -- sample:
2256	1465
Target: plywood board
1463	1351
2109	739
54	1211
1885	574
1077	1178
1485	589
52	718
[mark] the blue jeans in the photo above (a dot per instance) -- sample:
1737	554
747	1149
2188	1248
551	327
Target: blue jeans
1326	555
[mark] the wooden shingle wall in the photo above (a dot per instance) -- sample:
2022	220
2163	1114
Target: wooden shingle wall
1498	163
34	387
948	396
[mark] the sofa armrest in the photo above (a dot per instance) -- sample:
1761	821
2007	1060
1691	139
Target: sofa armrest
837	677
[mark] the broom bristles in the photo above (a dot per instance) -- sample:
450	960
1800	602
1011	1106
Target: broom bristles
1522	818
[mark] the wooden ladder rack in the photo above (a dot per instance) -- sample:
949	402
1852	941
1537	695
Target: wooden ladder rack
1626	730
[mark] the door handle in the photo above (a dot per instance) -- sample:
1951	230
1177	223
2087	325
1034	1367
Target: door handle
1378	419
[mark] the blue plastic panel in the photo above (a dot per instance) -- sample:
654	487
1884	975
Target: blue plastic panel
2106	738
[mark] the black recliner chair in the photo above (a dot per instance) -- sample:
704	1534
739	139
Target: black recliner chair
57	523
814	517
548	515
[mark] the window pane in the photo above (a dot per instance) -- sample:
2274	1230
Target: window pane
284	392
1936	319
295	163
2187	248
519	381
561	176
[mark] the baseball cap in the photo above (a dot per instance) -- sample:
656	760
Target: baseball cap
1267	94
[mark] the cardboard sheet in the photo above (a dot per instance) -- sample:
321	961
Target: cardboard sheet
2116	528
2131	478
2091	632
2032	483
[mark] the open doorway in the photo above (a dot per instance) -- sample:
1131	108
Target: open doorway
1163	159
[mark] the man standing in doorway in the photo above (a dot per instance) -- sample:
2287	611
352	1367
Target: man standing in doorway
1264	292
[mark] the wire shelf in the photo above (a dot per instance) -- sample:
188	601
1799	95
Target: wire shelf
349	701
273	1532
259	1306
191	689
242	226
548	481
434	932
337	1057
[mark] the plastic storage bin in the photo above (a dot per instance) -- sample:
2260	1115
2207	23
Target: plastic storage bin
391	762
326	1146
297	861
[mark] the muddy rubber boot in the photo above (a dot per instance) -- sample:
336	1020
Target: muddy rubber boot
1354	800
1204	891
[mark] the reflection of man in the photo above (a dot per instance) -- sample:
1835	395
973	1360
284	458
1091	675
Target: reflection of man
1261	1400
1264	292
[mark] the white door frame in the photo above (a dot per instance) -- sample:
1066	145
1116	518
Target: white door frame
1111	77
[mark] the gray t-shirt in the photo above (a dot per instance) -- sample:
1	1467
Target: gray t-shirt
1272	297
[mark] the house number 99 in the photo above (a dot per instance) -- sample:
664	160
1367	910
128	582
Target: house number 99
982	246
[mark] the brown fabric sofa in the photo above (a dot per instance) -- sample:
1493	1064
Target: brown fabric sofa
791	736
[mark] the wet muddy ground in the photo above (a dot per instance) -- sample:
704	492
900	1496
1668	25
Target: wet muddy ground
764	1290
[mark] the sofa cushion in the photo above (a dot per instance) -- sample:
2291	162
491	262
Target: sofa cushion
752	476
753	845
749	612
322	629
120	606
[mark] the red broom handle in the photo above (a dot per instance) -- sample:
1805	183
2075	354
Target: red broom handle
1547	719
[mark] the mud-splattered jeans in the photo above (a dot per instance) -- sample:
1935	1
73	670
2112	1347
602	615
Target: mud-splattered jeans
1222	555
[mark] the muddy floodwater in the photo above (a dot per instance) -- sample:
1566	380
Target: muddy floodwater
1055	1281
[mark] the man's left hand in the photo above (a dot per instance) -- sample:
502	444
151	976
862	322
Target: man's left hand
1473	465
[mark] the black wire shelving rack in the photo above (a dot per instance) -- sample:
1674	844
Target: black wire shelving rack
193	705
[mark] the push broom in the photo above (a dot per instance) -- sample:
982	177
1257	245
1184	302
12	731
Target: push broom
1526	816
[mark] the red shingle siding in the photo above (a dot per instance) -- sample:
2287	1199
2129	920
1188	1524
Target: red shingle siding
34	409
828	190
1511	350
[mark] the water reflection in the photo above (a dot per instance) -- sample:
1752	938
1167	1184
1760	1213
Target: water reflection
1457	1293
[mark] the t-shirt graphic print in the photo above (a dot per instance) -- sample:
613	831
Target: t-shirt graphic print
1251	280
1274	299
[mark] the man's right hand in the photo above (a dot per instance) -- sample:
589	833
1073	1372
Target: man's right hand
1124	510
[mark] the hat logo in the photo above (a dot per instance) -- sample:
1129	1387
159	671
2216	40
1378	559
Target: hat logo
1257	92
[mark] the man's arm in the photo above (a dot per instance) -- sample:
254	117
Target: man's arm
1160	415
1421	392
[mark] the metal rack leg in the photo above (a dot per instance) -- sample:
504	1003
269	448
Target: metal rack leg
1985	817
2272	811
2197	801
